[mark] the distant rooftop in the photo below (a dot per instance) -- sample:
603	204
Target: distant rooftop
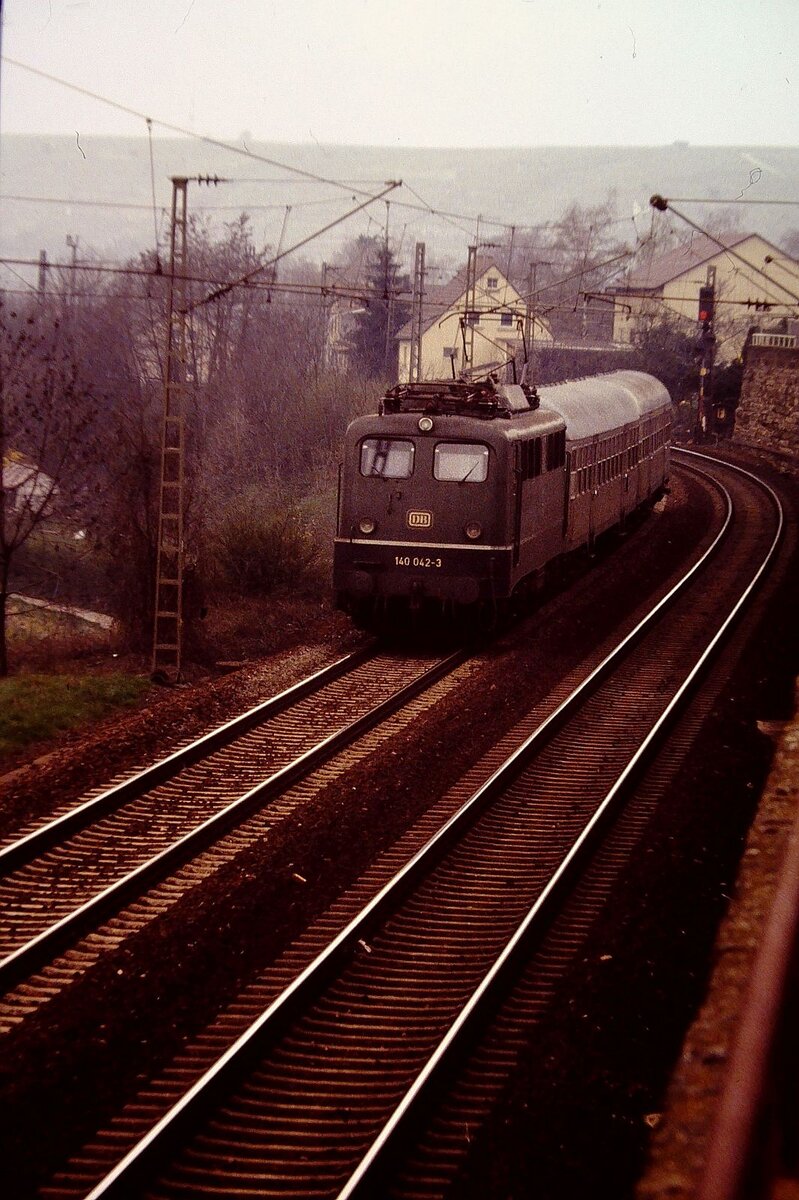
655	272
440	298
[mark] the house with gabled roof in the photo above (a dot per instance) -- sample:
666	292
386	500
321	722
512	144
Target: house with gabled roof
752	275
26	485
492	327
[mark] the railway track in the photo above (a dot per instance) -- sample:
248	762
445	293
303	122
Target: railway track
358	1064
66	876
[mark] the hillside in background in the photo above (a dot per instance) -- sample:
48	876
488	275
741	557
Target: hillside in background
71	179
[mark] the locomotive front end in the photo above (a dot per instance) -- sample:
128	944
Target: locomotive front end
423	517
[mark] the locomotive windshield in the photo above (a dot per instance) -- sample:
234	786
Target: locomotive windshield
389	457
460	462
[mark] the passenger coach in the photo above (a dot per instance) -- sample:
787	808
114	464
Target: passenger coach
459	494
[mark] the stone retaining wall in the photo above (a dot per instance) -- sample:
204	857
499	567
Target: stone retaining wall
680	1145
768	412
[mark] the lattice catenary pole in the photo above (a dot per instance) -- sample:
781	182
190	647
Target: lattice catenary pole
471	306
168	630
415	365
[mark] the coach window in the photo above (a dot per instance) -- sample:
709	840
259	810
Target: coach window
387	457
460	462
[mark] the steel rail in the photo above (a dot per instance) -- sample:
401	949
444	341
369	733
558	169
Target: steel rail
34	843
27	957
127	1174
732	1145
541	913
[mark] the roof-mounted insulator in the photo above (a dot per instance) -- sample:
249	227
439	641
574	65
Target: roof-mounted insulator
483	398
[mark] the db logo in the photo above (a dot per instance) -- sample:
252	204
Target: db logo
420	520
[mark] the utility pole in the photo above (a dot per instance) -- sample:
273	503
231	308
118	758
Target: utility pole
415	364
388	284
707	307
69	292
472	312
168	628
510	254
471	307
324	319
271	276
529	322
42	286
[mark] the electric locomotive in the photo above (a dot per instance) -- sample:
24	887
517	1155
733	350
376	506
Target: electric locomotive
459	495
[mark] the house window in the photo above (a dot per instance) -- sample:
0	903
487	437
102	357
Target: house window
472	318
450	352
492	282
506	319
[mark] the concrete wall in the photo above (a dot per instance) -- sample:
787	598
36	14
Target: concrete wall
768	412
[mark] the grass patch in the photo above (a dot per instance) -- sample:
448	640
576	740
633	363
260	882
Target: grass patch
35	708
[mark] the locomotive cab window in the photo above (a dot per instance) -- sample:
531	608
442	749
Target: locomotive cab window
460	462
390	458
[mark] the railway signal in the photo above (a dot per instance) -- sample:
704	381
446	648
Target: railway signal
705	414
707	306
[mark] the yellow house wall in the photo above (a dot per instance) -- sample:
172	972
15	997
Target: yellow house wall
492	339
734	282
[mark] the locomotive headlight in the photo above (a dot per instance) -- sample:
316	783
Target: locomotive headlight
473	530
366	526
425	424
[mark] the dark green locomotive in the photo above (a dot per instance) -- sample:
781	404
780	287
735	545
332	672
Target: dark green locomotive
458	495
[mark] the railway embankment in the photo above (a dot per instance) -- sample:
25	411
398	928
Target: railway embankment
727	1103
594	1069
730	1099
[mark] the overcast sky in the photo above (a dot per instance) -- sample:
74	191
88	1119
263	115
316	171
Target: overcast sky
412	72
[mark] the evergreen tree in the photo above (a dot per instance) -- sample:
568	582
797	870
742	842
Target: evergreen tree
384	314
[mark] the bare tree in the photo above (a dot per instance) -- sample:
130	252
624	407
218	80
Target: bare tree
46	435
264	415
790	243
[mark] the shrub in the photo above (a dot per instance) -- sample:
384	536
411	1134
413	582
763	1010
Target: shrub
258	549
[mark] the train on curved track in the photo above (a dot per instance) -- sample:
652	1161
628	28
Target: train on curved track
459	497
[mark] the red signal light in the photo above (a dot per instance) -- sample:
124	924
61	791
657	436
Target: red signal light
706	303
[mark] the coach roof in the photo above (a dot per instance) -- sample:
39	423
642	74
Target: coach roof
604	402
